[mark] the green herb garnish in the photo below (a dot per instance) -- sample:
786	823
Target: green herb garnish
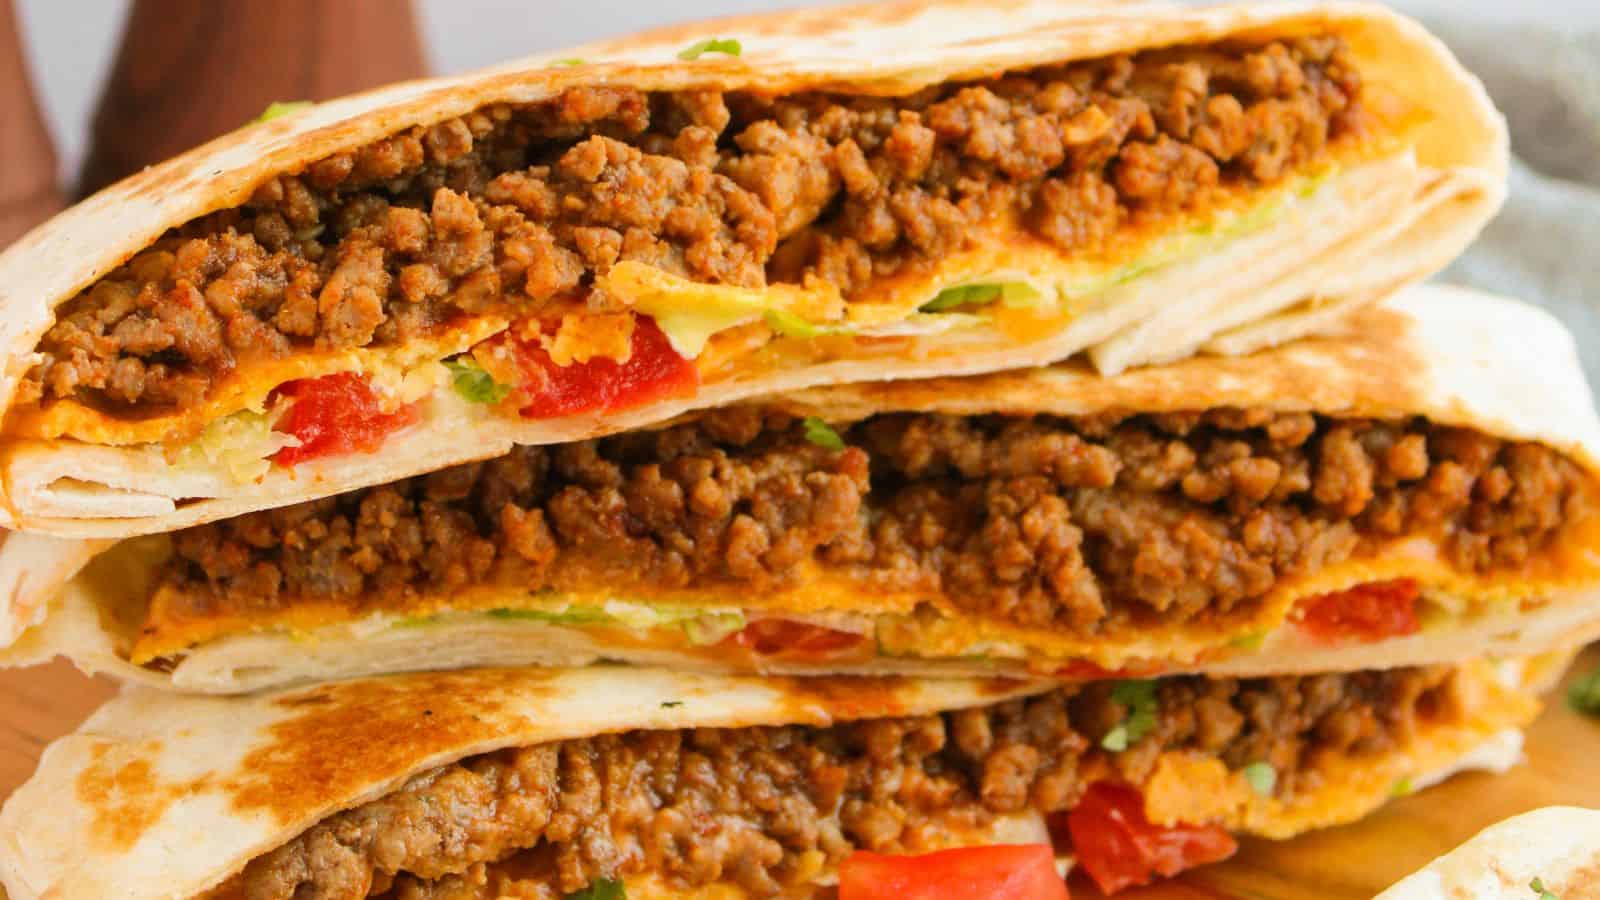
965	295
1262	777
1138	697
281	108
729	46
1584	694
818	432
1537	886
602	889
473	383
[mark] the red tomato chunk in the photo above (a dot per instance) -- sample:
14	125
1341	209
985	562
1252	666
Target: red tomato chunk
1367	612
335	414
1119	848
654	371
1005	872
784	637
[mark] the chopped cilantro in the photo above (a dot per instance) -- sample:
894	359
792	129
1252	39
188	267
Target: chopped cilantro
602	889
1537	886
818	432
669	704
730	46
1262	777
965	295
473	383
1584	693
1138	697
281	108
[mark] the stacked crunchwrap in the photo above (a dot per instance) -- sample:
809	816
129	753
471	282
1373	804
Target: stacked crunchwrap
847	358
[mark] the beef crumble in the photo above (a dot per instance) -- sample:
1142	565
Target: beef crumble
1065	523
514	209
750	806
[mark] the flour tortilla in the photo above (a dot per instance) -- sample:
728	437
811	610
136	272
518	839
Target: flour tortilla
166	796
1558	845
1370	230
1454	356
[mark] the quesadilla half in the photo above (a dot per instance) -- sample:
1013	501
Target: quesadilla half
1419	489
1549	852
527	783
605	238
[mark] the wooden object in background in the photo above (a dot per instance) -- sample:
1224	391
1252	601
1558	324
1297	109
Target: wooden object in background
28	191
1349	863
189	70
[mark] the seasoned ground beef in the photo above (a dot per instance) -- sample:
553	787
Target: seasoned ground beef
1072	524
745	805
514	209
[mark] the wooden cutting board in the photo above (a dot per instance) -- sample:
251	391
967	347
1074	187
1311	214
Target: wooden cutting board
1350	863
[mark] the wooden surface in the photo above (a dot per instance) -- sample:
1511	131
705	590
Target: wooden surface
1350	863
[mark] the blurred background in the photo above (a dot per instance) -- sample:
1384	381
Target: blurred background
71	44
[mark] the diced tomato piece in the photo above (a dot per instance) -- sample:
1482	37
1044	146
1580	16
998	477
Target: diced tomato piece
654	371
1367	612
785	637
338	413
1119	848
1003	872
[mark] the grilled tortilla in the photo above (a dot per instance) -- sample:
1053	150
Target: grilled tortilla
1416	490
525	782
1557	846
608	237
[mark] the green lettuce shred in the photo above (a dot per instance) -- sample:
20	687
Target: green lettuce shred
282	108
473	383
820	433
602	889
730	46
1138	698
1011	293
1537	886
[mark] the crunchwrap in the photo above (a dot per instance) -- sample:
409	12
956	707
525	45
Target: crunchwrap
531	783
605	238
1419	489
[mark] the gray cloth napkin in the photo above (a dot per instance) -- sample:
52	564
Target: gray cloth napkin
1545	245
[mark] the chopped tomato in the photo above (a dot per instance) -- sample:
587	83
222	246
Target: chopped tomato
654	371
1119	848
1367	612
338	413
1005	872
785	637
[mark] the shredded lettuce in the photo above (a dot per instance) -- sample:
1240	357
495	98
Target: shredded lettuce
473	383
282	108
601	889
1011	293
820	433
730	46
241	444
699	625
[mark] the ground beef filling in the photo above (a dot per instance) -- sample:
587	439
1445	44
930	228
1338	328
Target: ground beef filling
748	806
1064	523
514	209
